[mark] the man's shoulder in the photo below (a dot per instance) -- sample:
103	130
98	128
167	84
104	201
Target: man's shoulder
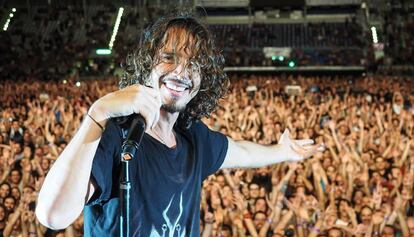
198	128
198	125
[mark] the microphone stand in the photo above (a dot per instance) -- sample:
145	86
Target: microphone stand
129	149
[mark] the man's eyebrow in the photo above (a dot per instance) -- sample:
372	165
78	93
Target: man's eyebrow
168	53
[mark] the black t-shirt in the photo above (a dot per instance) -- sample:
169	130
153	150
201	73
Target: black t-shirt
166	182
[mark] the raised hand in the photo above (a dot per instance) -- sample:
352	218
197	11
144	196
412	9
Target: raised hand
38	183
26	165
237	177
332	125
297	208
377	218
10	162
360	229
399	203
209	217
377	196
365	175
239	202
219	215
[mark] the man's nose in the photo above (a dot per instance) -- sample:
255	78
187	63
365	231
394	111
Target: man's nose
180	69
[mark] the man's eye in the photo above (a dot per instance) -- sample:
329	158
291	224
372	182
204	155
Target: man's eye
167	58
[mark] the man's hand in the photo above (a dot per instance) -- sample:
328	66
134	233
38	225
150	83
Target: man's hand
132	99
297	150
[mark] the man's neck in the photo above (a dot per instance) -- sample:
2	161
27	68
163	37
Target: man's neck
163	130
166	122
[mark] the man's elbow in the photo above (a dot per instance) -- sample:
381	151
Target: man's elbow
51	219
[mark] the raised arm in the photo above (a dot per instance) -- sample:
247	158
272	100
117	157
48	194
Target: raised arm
404	156
67	187
59	204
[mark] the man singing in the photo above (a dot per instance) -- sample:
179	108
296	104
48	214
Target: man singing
173	79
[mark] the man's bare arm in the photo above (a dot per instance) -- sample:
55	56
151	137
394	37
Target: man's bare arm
245	154
64	191
67	186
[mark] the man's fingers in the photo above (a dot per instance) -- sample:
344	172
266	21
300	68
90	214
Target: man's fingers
284	137
147	90
305	152
151	116
321	147
305	142
153	92
311	151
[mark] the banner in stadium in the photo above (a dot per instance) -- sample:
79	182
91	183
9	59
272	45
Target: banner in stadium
332	2
220	3
277	51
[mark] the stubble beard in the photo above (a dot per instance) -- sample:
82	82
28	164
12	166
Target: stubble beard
173	107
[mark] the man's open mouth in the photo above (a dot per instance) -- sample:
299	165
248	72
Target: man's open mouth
177	84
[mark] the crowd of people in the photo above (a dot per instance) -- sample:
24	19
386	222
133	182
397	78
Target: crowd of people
321	34
62	38
312	44
65	38
361	185
398	35
395	38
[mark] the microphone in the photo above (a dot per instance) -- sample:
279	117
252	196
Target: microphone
133	139
129	149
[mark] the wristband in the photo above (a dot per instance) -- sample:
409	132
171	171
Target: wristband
317	230
100	126
303	223
209	222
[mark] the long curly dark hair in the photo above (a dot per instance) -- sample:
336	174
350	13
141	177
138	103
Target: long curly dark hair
210	62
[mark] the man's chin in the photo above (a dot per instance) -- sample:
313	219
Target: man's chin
173	108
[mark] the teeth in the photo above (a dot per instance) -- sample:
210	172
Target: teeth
172	86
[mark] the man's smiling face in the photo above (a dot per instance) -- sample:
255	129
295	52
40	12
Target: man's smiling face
175	74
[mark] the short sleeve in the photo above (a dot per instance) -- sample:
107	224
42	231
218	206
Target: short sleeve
106	163
211	146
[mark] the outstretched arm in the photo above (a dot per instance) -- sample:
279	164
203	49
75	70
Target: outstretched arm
244	154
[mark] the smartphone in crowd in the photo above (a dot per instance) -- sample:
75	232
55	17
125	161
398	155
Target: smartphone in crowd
251	90
293	90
